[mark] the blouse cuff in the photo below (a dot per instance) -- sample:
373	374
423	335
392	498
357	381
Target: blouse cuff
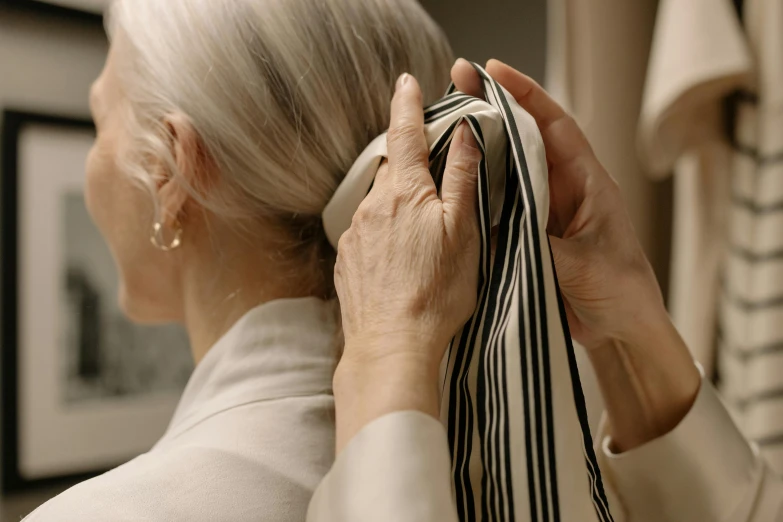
397	468
704	469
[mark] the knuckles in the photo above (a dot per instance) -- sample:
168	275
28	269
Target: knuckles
342	245
363	214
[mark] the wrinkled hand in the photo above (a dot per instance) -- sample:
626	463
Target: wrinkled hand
609	287
614	305
407	269
406	272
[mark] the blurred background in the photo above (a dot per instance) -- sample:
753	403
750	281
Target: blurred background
671	99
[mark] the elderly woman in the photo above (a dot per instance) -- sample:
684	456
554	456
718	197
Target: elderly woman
223	130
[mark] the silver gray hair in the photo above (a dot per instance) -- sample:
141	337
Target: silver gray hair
284	94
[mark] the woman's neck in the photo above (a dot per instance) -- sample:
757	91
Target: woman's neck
218	294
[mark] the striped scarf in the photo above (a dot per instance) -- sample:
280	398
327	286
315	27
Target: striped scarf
512	402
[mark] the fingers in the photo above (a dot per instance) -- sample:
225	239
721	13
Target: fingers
527	92
466	78
563	138
407	145
459	190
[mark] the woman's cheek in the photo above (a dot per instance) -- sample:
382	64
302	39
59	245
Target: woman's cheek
92	184
101	191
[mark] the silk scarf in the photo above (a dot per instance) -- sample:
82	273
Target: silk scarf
512	403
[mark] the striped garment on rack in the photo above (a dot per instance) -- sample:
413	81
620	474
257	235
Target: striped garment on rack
750	320
512	402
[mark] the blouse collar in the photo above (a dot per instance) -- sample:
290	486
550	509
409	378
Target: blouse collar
283	348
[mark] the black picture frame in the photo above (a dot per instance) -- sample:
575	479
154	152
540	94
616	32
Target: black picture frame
55	11
13	122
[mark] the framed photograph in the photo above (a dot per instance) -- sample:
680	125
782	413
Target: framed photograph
88	10
83	388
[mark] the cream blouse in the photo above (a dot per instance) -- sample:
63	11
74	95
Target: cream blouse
253	437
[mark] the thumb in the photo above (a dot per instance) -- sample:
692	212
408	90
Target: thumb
459	190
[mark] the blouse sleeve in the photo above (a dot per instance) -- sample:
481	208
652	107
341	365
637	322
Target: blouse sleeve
704	469
396	469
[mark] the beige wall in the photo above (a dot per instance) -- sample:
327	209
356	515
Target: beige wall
46	65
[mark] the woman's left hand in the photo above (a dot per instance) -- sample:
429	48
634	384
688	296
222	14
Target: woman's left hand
406	272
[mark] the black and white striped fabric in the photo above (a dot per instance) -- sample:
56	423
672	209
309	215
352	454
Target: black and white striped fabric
512	402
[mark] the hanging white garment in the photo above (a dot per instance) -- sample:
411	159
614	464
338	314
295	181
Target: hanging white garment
512	403
595	69
727	273
698	56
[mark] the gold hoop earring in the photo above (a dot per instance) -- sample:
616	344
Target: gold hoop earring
157	238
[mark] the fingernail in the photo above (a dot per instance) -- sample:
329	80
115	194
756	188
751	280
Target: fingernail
468	140
402	80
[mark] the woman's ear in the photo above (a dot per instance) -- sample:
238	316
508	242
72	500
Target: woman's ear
174	188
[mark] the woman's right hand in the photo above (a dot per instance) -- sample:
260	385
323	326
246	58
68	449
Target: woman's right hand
613	301
609	287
